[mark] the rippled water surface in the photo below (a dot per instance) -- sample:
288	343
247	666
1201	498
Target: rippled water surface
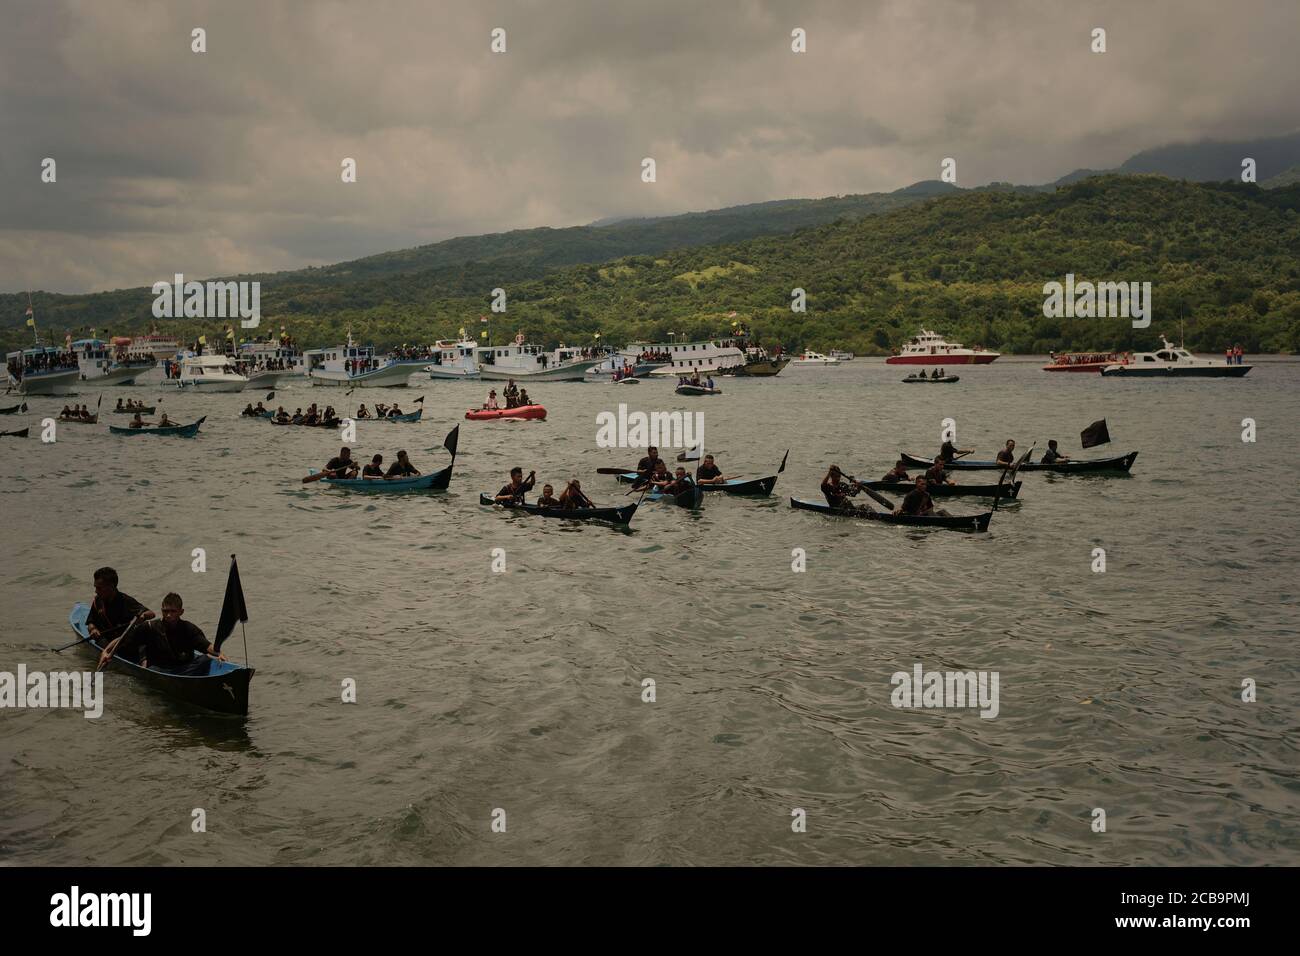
523	690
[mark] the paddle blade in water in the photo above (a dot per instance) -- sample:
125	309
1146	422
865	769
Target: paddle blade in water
232	608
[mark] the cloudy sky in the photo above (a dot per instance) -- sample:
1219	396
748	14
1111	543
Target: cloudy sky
229	161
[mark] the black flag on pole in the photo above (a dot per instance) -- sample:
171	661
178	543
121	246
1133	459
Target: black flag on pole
270	396
418	401
232	608
783	458
452	440
1094	434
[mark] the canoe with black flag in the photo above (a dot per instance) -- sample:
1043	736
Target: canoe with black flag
419	401
451	441
233	609
1094	434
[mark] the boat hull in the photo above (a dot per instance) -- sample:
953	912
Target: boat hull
61	382
453	373
1192	371
118	375
979	522
946	380
620	516
758	487
176	431
948	358
697	390
436	481
224	689
759	369
20	433
195	385
524	411
574	372
390	376
1120	463
1009	490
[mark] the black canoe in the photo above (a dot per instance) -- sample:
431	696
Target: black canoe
146	410
612	515
979	522
947	379
1121	463
223	689
14	409
1009	490
692	497
752	486
697	390
21	433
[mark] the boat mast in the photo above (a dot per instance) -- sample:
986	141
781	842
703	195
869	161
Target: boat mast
36	338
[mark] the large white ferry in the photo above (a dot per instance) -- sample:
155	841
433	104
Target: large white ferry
533	363
1173	361
353	365
930	348
686	357
100	364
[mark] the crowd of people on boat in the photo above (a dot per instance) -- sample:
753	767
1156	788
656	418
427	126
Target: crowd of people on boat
515	397
41	362
695	380
129	405
381	411
344	466
572	498
936	374
653	473
313	417
76	413
122	627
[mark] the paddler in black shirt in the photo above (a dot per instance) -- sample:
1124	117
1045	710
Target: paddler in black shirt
171	644
402	468
949	451
1052	455
838	492
709	473
343	466
918	501
548	499
646	466
674	486
375	469
935	474
572	498
1007	456
111	610
658	474
899	471
518	487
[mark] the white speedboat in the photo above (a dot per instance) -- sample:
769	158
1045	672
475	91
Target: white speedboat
687	357
42	370
210	372
455	360
533	363
809	357
1173	361
101	365
931	348
357	366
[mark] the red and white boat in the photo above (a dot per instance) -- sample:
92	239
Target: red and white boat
1086	361
930	348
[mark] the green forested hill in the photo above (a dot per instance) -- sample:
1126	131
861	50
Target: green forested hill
1224	258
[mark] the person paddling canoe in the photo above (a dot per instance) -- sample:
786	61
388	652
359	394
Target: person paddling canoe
548	499
646	466
1007	456
838	491
111	610
948	451
898	472
1053	455
519	486
341	466
675	485
918	501
375	469
164	421
936	475
402	468
572	498
709	473
136	421
363	412
171	644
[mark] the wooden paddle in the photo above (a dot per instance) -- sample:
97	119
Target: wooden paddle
1014	468
874	495
118	627
129	629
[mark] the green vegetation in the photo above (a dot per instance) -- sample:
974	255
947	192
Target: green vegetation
1223	258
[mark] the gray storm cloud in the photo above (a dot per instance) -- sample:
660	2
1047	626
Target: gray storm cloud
228	161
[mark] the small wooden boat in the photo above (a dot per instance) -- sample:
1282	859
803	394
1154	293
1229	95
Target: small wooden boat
612	515
177	431
21	433
1010	490
405	417
145	410
1074	466
979	522
523	411
697	390
945	380
14	409
223	689
761	487
437	481
331	423
92	420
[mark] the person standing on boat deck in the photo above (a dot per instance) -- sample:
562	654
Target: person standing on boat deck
838	492
342	466
518	487
1052	456
1007	456
402	468
548	499
572	498
936	475
375	469
948	451
709	473
171	644
111	610
899	471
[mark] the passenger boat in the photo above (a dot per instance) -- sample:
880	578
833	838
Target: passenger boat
697	390
930	348
632	358
619	516
223	689
454	359
14	409
20	433
1174	361
758	364
1074	466
265	364
437	481
928	380
59	377
809	357
209	372
1009	490
522	411
153	346
1086	361
178	431
979	522
100	365
355	366
759	487
684	358
532	363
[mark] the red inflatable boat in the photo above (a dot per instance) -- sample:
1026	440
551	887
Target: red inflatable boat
523	411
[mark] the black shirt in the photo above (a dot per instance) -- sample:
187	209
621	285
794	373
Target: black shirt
549	501
948	451
1050	456
168	646
936	475
836	493
916	502
372	471
399	470
517	493
339	464
1006	457
708	471
116	612
647	464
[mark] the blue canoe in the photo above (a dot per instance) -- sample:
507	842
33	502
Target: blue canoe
179	431
224	688
408	417
437	481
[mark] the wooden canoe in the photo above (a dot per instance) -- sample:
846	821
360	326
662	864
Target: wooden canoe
979	522
1078	466
619	516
